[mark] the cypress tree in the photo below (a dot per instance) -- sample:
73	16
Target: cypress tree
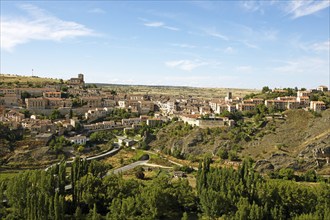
78	213
57	208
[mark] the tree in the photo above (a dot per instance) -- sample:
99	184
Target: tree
61	178
139	173
58	207
286	173
95	215
185	216
78	214
232	155
26	113
25	95
265	89
64	88
56	114
80	148
70	113
223	154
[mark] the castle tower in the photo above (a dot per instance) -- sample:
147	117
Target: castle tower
81	76
229	95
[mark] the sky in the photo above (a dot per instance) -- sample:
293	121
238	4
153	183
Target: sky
224	44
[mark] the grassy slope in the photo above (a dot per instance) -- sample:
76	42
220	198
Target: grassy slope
298	132
10	78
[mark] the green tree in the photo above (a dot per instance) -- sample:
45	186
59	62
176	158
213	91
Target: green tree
25	95
139	173
55	114
78	214
223	154
185	216
95	215
265	89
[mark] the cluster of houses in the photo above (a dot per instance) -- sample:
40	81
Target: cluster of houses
302	100
95	104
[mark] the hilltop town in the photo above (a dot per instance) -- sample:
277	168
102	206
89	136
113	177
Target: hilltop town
72	111
77	137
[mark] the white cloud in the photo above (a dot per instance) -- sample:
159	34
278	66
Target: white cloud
250	45
189	65
171	28
321	46
184	45
229	50
154	24
214	33
186	65
38	26
300	8
304	65
97	11
252	6
159	24
317	47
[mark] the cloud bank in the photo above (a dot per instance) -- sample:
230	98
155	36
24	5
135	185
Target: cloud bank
38	25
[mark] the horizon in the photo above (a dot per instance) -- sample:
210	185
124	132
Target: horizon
206	44
175	86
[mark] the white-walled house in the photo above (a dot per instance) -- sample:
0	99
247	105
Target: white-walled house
80	139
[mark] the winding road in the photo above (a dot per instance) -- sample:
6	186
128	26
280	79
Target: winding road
128	167
107	153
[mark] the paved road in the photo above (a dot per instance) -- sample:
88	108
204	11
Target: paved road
114	150
156	165
171	161
128	167
107	153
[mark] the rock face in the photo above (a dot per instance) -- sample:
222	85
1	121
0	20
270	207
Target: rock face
264	166
195	139
189	144
317	154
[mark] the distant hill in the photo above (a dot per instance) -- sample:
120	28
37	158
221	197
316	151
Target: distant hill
195	92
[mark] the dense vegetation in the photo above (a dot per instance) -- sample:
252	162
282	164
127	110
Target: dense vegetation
226	192
42	195
244	194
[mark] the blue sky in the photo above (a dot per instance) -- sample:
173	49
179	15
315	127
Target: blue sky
236	44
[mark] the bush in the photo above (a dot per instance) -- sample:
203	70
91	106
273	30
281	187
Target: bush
223	154
144	157
286	173
233	156
139	173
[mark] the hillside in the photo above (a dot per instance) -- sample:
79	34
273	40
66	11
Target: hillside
9	79
295	142
300	141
